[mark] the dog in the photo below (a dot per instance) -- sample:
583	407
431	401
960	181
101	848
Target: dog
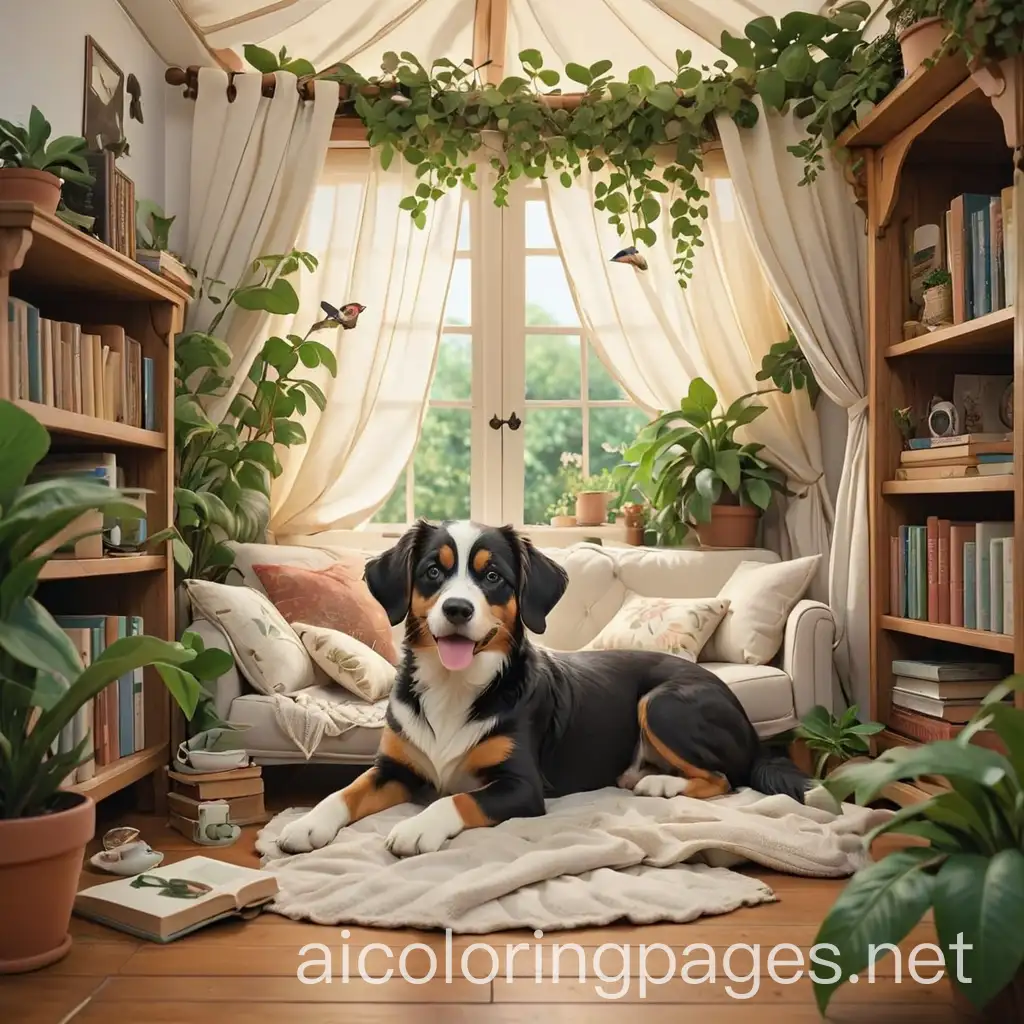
482	725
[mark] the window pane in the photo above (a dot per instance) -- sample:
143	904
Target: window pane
538	226
552	366
453	378
549	432
465	234
393	510
601	386
548	299
441	465
612	427
457	311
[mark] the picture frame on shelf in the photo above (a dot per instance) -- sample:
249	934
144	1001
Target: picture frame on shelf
103	106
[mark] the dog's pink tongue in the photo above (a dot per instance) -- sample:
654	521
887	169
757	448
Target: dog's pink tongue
456	652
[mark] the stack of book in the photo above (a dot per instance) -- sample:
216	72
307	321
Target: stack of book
114	721
980	253
933	699
242	788
93	369
166	265
962	455
960	574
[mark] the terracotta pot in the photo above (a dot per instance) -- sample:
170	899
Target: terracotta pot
23	185
1008	1005
592	508
40	862
563	521
920	42
731	526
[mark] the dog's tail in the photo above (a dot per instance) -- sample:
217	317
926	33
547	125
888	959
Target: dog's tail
774	774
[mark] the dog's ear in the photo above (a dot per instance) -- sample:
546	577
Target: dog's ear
389	576
542	583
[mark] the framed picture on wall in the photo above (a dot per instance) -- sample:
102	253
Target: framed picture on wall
103	116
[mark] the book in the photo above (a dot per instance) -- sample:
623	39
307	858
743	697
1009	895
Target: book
954	453
148	394
166	265
955	440
920	727
967	689
954	471
958	711
948	671
220	790
47	361
903	540
942	569
959	535
136	627
1009	246
995	575
125	699
894	576
919	538
981	267
113	336
170	901
244	810
95	626
995	219
959	261
81	728
970	585
932	567
1007	622
985	533
88	384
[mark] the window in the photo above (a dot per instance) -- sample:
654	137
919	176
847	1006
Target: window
512	342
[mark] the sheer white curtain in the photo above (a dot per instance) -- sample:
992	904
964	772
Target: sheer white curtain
656	337
811	240
255	163
370	252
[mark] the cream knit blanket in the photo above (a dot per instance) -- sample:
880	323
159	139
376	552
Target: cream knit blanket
307	716
592	859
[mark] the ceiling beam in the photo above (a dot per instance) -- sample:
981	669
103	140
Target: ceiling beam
490	31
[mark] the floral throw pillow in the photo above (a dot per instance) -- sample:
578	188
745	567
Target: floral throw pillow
672	625
347	661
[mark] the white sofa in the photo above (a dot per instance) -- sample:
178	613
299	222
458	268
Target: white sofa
775	696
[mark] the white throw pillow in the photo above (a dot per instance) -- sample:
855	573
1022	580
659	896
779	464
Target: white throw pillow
266	648
671	625
348	661
761	596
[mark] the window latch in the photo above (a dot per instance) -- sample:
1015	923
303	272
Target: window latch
514	422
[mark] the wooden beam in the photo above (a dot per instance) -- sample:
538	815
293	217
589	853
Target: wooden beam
481	31
498	34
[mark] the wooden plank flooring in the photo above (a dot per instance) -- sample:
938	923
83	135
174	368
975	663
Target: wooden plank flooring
246	972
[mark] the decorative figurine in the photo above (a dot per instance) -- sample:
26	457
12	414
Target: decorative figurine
346	317
632	256
125	854
213	827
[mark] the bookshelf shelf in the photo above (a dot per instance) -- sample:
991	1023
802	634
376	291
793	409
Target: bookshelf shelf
123	772
74	424
985	334
955	485
111	565
950	634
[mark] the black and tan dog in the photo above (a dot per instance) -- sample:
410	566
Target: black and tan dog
484	725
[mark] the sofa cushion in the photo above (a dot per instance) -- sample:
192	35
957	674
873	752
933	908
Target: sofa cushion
348	661
335	598
671	625
266	648
765	692
760	600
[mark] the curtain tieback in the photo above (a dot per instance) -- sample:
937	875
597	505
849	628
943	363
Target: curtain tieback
853	411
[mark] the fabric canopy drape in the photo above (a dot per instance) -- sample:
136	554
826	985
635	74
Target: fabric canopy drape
812	243
255	164
370	252
655	337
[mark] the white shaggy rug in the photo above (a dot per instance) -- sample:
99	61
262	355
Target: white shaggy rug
592	859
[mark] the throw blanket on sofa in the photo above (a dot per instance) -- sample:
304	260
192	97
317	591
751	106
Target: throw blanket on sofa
307	716
592	859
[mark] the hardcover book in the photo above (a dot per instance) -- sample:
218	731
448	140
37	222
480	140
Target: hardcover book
948	671
985	533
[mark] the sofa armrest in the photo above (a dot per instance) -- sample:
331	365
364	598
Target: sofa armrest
807	655
228	686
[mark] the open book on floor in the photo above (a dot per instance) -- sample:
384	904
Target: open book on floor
175	899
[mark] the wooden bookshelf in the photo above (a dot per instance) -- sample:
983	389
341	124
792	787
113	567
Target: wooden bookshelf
70	276
935	137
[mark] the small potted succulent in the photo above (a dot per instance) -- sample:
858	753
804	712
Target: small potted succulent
938	298
561	512
32	167
920	29
592	499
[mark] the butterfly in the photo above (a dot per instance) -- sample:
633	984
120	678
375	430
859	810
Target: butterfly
345	317
631	256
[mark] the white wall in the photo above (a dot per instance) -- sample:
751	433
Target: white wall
42	62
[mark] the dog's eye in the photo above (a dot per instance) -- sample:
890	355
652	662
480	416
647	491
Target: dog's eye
492	577
433	573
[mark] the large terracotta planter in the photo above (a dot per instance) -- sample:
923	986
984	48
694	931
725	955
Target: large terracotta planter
40	862
23	185
731	526
592	508
920	42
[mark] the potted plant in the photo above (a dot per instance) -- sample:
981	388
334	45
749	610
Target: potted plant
696	473
592	499
834	740
31	167
153	243
938	298
43	828
969	867
561	512
906	424
921	30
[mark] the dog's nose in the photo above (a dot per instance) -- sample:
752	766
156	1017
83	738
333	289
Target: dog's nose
457	610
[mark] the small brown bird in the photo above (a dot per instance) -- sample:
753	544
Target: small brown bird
346	317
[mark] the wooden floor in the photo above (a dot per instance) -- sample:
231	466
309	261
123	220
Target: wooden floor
245	972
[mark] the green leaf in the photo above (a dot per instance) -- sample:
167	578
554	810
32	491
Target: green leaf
708	485
549	77
279	299
702	394
980	900
727	466
578	73
761	31
30	636
325	356
795	62
260	59
277	352
182	687
663	97
771	86
23	443
531	59
262	453
759	492
879	905
740	50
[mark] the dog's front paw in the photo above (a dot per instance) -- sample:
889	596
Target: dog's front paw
427	831
661	785
315	829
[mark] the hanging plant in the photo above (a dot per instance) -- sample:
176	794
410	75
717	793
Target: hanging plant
786	366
